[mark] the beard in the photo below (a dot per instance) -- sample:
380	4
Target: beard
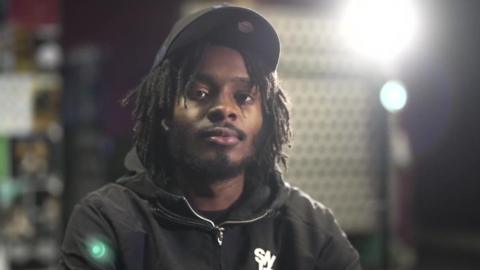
207	170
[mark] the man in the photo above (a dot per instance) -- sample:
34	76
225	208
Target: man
205	189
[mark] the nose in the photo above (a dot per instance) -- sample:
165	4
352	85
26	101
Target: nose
223	110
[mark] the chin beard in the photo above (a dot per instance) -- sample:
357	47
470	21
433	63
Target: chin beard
212	170
208	171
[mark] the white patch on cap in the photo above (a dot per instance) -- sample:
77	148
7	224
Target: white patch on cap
245	27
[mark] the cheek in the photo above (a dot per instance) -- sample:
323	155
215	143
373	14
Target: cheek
185	116
256	124
259	119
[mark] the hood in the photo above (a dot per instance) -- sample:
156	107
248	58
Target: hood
132	162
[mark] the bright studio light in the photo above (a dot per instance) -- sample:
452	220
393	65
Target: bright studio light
393	96
380	29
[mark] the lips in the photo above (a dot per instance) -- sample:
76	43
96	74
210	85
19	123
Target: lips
222	136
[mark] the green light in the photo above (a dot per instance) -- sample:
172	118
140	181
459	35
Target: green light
98	250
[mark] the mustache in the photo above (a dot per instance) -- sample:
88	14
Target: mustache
222	129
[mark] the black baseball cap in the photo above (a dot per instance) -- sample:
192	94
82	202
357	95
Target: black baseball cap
241	26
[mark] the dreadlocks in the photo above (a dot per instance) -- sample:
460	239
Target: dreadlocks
155	99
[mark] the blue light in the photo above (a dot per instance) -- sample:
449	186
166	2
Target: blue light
393	96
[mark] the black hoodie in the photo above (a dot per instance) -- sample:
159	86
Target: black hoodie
134	224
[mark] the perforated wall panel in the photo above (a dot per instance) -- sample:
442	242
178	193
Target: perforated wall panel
335	156
336	116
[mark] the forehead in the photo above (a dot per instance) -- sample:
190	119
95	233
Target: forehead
223	61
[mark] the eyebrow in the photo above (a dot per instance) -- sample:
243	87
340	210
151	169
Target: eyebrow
210	80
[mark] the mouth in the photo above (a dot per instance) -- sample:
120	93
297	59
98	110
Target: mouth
223	136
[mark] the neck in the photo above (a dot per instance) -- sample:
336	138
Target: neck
212	195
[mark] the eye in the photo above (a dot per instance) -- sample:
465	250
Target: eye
244	98
197	94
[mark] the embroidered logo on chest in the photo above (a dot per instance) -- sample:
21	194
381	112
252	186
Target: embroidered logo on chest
264	258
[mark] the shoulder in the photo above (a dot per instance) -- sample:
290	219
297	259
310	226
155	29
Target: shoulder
114	202
109	194
304	208
317	221
107	216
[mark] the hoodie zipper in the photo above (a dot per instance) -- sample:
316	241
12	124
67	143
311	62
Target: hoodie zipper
246	221
218	229
222	229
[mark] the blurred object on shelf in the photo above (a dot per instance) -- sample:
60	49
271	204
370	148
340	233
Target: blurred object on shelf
30	204
36	51
18	226
31	158
30	103
16	104
47	99
23	49
4	160
7	57
31	134
32	14
48	53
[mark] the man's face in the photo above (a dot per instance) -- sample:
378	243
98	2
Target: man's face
216	132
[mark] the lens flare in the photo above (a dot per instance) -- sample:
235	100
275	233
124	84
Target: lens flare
98	250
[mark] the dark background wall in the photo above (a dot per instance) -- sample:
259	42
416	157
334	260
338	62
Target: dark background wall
128	34
108	46
442	116
442	122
